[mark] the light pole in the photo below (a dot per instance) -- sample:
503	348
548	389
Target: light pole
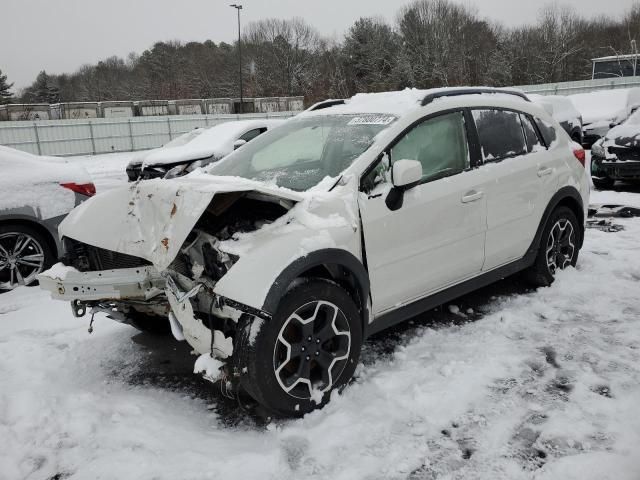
238	7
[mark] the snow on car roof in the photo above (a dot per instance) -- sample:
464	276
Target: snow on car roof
562	107
396	103
606	105
20	167
31	181
216	141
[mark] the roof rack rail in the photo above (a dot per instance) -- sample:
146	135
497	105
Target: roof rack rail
469	91
325	104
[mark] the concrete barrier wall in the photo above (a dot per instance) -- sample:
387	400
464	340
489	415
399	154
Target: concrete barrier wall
107	135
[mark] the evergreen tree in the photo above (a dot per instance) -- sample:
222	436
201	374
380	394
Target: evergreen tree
5	95
43	90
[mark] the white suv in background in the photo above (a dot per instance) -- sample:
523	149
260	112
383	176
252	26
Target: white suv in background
277	262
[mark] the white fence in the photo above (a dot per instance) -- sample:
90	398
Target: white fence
582	86
103	135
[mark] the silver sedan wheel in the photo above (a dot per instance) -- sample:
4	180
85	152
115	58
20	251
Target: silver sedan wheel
312	349
561	246
21	259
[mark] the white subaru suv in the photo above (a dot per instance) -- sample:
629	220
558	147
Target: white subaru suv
277	262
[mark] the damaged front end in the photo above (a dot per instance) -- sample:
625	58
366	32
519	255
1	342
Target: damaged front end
206	319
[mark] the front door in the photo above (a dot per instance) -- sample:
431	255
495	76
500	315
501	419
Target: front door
436	238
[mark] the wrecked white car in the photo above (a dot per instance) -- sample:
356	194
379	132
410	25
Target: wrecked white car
275	263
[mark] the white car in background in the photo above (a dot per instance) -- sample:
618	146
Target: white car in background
563	111
36	193
603	110
197	148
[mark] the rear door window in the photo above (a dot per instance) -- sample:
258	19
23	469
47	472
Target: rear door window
500	133
531	134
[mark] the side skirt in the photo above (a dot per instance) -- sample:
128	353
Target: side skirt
429	303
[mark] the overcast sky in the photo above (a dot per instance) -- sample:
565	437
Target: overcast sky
60	35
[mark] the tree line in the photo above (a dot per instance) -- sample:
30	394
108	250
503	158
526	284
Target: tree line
431	43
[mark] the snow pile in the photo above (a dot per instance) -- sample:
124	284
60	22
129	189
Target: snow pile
560	108
208	367
108	171
60	271
625	135
603	107
34	182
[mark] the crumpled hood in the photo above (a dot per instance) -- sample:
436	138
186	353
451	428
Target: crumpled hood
151	219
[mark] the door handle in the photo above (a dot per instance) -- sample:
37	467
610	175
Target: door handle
472	196
545	171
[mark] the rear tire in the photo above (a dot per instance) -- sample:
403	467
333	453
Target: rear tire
559	247
35	255
291	363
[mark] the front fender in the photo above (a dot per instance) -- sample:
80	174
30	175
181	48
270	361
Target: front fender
260	277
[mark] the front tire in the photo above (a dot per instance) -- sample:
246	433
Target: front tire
291	363
559	247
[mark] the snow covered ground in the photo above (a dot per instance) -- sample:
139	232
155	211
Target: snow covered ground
509	383
108	170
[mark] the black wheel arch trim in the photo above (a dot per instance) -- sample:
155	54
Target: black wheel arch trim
327	256
567	192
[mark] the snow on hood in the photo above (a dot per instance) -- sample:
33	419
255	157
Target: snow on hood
607	106
152	219
625	135
216	142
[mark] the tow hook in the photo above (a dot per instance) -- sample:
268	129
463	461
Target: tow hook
78	308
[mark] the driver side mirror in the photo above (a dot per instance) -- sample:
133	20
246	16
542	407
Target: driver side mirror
238	143
405	174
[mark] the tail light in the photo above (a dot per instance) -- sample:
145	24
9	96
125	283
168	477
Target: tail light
580	154
87	189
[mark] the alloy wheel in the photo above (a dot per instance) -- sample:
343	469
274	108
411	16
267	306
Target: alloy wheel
21	259
312	349
560	245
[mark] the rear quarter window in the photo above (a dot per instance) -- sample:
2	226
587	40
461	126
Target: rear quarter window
547	131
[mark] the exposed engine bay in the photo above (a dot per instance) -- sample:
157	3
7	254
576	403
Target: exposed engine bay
199	265
231	215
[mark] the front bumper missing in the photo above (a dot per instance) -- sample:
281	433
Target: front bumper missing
139	283
192	329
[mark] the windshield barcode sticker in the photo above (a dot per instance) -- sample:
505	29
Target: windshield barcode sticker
372	120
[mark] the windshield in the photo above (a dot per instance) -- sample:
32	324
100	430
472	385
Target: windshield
301	152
